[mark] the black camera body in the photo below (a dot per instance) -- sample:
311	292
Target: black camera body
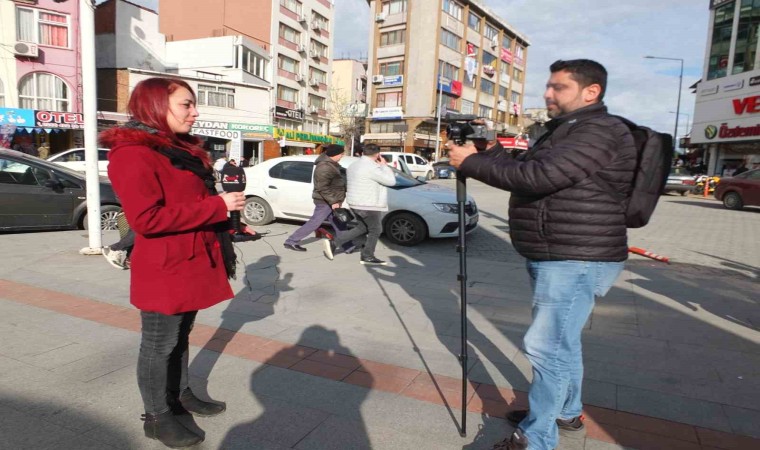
461	129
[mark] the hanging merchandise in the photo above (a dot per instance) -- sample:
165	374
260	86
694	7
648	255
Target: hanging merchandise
470	67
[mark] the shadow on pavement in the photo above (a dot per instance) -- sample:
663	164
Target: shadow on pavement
292	414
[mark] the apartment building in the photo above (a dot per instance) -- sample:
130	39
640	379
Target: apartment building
348	100
459	50
726	126
297	36
40	75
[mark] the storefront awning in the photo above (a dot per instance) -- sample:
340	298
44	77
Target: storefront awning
297	144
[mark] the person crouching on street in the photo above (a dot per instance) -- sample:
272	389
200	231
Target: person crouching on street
183	254
367	196
328	194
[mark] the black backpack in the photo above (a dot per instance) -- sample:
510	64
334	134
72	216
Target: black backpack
653	161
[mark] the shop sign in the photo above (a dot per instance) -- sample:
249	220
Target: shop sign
394	80
217	133
513	142
211	125
286	113
57	119
738	84
747	105
708	91
304	136
506	55
395	112
252	131
754	81
453	87
17	117
726	132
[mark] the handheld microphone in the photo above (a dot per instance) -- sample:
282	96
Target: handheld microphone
233	180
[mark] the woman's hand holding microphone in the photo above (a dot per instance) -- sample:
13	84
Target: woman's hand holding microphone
234	201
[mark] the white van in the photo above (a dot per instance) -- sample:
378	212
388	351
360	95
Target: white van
419	166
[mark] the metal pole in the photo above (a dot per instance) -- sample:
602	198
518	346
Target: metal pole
678	108
90	111
462	249
438	128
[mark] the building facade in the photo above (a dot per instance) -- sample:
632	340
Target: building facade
454	52
726	126
40	75
297	35
348	100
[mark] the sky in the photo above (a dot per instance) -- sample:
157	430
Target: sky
617	34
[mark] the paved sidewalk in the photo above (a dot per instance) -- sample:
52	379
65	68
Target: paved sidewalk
315	354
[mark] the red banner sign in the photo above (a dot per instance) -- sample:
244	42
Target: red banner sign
520	144
506	55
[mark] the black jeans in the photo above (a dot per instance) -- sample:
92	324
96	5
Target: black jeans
126	243
162	364
368	222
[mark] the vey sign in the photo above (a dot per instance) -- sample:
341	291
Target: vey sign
749	105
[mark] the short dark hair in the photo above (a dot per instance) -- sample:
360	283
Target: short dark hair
584	71
371	149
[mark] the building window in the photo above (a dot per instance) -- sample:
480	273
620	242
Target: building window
468	107
287	94
453	9
320	20
216	96
287	64
502	92
384	127
519	53
42	27
473	21
515	97
318	75
485	112
746	36
447	70
318	48
289	34
389	99
391	68
450	102
491	32
488	59
506	42
393	7
392	38
319	102
472	50
2	94
487	87
292	5
254	63
518	75
450	40
43	91
721	41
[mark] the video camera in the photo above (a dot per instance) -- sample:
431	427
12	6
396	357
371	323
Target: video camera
461	129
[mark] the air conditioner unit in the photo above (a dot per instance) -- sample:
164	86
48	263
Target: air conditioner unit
315	25
313	109
301	48
380	18
26	49
313	53
302	17
377	79
299	77
314	82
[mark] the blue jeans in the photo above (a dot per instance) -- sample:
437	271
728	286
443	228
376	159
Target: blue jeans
563	298
162	363
321	212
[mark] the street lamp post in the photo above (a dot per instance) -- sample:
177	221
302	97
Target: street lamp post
688	120
438	128
678	105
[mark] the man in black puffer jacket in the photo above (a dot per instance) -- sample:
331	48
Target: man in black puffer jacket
571	231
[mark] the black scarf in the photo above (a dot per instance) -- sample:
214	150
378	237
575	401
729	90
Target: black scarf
184	160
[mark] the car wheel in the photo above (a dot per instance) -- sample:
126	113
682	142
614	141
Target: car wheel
732	200
429	175
257	212
684	193
108	218
405	229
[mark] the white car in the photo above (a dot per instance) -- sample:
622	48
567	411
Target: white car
281	188
419	166
74	160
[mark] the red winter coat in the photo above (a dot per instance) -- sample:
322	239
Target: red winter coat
176	264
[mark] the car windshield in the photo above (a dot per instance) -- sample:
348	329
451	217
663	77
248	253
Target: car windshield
404	181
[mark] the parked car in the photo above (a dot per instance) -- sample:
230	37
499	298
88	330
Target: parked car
419	166
36	194
679	180
739	191
444	169
281	188
74	160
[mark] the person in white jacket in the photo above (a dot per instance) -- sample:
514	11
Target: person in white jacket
367	196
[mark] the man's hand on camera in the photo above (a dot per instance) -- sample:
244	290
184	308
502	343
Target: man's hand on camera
458	153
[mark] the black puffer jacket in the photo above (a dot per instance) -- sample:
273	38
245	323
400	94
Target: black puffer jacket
329	181
556	211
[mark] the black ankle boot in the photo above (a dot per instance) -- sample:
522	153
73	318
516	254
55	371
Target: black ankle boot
165	428
188	402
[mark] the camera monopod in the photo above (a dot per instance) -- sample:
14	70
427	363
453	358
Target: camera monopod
462	277
233	180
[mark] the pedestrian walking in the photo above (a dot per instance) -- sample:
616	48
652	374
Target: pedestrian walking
367	196
118	254
328	194
572	232
183	254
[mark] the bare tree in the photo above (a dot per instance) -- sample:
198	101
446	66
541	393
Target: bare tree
346	116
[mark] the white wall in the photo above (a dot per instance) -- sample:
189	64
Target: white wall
136	43
209	53
7	59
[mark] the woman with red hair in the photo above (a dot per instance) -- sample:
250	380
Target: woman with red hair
183	254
